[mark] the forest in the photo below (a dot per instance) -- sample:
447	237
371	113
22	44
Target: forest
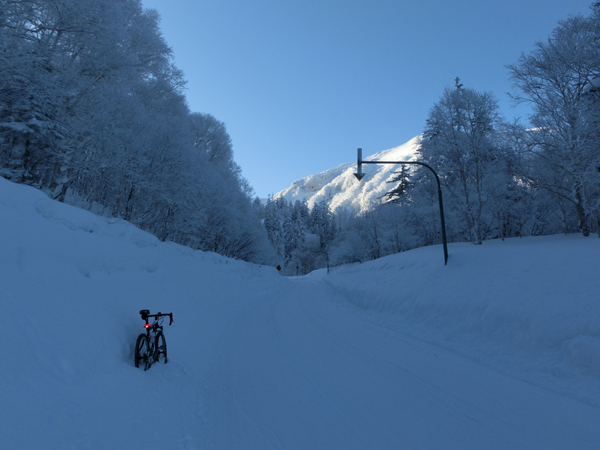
93	113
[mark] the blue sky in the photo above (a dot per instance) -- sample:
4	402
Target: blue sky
301	84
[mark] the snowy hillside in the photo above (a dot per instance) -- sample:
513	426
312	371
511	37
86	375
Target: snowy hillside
342	190
500	349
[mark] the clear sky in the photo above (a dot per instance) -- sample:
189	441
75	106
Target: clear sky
301	84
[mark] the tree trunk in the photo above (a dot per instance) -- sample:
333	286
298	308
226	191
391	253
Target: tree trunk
583	226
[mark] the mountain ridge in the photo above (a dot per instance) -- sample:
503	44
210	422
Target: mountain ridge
340	189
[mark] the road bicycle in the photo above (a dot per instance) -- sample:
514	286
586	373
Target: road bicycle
150	345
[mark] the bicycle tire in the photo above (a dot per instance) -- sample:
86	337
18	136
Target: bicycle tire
161	347
142	352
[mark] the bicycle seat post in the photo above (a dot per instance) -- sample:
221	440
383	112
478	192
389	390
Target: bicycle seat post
145	313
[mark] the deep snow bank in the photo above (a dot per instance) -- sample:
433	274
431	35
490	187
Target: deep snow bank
531	302
71	286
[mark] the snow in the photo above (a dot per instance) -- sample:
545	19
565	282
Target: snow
499	349
339	188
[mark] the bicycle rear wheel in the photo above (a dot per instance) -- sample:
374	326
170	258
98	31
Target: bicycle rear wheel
142	352
161	347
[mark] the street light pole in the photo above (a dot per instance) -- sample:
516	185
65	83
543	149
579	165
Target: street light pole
326	253
360	175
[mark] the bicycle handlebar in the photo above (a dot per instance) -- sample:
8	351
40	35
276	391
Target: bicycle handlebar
146	314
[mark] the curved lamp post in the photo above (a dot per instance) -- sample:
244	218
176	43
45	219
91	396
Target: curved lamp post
360	175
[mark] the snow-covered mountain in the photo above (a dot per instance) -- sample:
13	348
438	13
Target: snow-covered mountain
340	188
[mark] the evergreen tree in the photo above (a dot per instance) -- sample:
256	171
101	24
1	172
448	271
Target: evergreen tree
399	193
322	223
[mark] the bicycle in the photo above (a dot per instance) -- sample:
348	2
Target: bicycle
150	345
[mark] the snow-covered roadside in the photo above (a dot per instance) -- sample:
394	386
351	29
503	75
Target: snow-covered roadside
528	306
71	286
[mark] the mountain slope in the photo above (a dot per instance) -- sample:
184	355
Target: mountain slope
498	349
342	191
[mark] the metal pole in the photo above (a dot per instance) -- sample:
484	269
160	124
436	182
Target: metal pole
359	174
445	244
443	221
326	253
359	161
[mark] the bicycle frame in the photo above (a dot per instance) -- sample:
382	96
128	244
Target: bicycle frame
153	330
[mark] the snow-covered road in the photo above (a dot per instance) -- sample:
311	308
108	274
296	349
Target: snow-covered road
302	371
498	350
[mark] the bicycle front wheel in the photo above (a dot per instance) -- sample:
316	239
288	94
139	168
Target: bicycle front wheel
142	352
161	347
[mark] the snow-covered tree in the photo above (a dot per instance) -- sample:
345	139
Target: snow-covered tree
554	79
322	223
92	111
458	142
402	180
